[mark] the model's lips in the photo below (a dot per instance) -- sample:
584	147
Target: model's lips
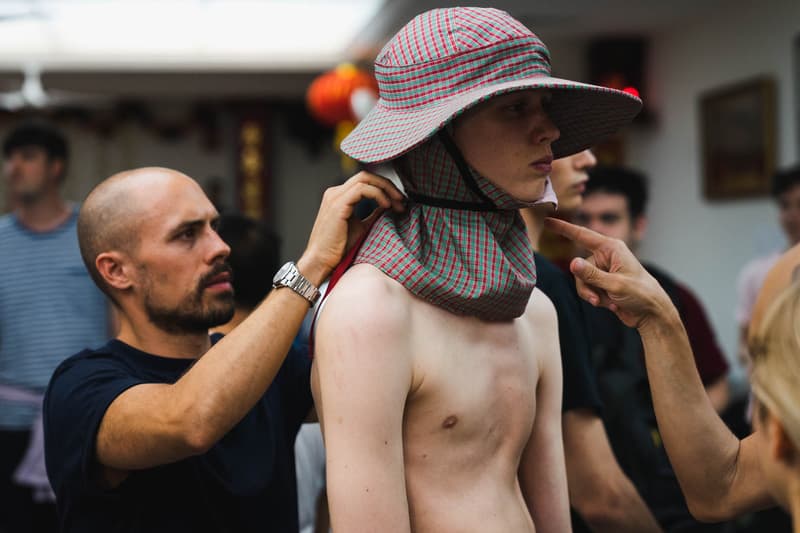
543	165
580	186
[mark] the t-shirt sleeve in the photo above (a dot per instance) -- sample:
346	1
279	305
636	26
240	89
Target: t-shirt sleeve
580	386
77	398
711	363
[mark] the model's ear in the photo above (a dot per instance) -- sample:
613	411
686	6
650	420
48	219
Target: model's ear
115	269
780	445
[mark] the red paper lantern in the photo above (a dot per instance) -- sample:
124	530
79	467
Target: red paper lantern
328	96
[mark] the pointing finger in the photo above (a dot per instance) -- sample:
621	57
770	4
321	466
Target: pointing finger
587	238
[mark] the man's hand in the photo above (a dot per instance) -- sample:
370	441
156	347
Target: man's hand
336	229
612	277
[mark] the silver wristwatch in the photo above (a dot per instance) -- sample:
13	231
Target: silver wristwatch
289	276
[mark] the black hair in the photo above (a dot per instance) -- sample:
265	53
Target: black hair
254	258
785	179
39	134
620	180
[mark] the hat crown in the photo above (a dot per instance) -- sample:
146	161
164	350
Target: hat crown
445	52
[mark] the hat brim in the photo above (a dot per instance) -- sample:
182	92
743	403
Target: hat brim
584	114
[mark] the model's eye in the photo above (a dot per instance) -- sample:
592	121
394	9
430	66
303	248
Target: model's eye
517	108
188	234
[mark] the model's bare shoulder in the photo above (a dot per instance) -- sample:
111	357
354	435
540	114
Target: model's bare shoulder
540	311
541	319
368	300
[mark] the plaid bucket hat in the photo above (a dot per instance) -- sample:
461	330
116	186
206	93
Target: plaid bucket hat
447	60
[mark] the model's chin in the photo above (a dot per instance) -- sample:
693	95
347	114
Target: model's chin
569	201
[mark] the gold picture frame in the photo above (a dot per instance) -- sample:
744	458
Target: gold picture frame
738	136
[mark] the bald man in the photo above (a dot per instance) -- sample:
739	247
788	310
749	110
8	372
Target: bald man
164	429
720	475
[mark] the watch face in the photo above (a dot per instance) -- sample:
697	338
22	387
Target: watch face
284	270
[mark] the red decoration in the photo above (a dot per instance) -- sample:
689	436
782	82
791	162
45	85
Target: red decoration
328	96
632	90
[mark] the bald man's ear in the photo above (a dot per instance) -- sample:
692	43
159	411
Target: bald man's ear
115	269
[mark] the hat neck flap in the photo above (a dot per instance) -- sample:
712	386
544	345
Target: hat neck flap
461	244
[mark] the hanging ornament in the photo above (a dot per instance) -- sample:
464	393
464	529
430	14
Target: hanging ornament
329	95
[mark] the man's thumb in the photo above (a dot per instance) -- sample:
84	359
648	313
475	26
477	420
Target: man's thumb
589	273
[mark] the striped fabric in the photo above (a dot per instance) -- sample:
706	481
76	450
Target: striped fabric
49	310
475	263
446	60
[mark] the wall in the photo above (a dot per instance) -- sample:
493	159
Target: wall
705	244
94	156
299	177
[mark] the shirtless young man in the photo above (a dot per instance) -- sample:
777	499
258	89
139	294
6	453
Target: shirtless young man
437	375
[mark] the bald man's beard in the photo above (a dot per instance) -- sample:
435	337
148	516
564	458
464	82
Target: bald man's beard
196	313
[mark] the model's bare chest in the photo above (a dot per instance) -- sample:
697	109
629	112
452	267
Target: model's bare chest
477	382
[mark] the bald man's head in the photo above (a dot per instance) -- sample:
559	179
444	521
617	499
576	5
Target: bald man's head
110	217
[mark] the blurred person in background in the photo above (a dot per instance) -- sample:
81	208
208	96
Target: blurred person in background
614	205
254	260
786	192
601	495
49	308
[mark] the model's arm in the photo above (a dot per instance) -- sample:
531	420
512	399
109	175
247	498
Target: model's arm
361	378
542	473
719	474
153	424
598	488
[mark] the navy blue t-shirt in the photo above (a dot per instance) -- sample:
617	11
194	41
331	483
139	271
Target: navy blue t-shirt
580	384
246	482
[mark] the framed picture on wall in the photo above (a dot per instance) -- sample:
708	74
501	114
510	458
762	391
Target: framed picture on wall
738	136
796	91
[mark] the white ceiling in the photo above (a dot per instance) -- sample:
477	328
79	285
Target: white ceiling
257	47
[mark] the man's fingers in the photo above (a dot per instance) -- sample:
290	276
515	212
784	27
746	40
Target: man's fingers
587	272
589	239
380	182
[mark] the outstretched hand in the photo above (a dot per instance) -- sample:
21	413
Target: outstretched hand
612	277
336	228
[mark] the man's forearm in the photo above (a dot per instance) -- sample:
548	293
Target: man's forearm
702	450
626	513
599	490
230	378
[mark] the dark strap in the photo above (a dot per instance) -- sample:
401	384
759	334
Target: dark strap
485	203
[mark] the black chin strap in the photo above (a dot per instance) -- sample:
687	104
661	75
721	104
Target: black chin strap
485	204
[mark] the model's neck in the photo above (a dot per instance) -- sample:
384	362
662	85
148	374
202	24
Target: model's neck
534	222
147	337
44	213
